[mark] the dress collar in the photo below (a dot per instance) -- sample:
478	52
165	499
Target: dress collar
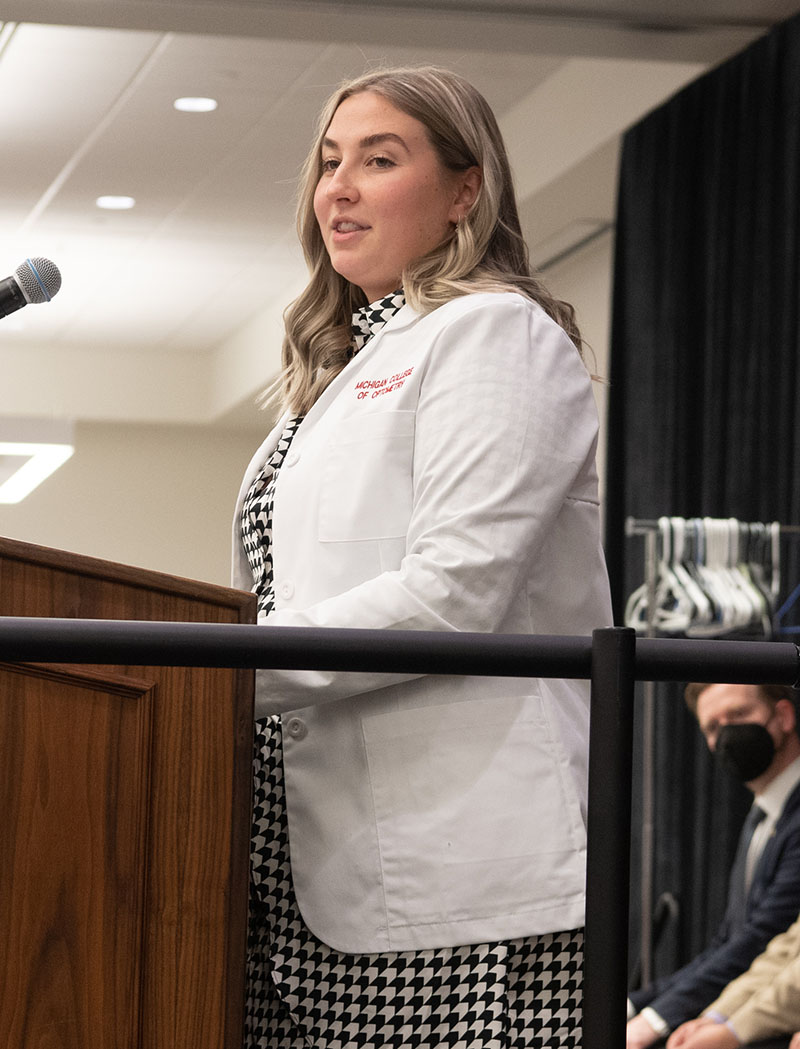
369	320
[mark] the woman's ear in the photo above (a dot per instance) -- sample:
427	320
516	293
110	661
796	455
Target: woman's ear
468	186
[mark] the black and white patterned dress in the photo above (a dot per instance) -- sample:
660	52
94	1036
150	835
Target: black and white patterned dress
517	994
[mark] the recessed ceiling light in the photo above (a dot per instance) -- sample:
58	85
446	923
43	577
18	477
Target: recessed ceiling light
115	203
195	105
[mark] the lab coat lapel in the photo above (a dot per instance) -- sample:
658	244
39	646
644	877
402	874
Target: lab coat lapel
404	318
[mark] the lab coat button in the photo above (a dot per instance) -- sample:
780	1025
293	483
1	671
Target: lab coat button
286	590
296	728
292	458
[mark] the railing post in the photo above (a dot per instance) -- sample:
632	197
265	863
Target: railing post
605	972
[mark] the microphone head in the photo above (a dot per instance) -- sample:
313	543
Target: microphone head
39	279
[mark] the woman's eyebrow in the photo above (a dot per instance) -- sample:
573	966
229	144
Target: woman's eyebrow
370	140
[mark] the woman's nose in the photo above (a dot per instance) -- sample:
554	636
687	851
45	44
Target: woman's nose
342	184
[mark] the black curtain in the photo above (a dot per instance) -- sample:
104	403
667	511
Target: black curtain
703	401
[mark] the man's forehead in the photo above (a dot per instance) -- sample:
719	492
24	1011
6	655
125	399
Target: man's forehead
721	698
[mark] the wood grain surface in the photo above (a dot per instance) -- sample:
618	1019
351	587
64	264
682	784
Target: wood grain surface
124	823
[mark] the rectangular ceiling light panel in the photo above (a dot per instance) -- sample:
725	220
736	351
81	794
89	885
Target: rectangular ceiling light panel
30	451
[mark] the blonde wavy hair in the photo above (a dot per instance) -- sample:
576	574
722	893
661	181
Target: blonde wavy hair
486	251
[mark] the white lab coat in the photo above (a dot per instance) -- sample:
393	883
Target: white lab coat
445	480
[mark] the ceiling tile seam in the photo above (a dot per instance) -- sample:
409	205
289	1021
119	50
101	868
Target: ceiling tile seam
7	31
95	134
214	171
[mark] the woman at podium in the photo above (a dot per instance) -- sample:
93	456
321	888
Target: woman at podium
419	842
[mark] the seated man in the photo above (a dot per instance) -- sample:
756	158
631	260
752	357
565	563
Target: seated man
760	1004
752	729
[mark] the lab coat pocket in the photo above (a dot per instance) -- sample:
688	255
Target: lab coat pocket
475	814
366	485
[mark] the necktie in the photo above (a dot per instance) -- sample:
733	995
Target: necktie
737	886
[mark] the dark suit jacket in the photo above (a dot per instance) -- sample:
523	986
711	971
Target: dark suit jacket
773	903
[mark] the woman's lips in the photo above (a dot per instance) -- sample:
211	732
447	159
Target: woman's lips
347	226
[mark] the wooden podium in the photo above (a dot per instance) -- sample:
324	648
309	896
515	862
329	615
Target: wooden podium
124	823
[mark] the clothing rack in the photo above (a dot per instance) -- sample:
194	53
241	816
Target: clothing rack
650	529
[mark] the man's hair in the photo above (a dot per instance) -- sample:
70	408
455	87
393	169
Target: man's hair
770	693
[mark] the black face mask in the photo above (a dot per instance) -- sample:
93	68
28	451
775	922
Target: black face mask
746	750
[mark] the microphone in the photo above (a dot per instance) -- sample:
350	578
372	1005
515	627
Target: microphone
35	280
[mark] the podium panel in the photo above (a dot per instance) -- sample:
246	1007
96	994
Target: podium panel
74	852
124	834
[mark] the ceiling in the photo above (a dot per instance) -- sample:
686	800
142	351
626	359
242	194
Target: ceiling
171	312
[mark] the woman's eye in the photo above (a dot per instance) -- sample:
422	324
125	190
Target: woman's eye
330	164
382	162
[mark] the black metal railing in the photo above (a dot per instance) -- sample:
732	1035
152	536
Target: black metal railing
613	659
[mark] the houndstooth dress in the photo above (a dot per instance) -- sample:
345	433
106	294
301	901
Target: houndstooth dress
517	994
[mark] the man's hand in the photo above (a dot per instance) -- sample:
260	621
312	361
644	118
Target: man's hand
712	1036
795	1042
681	1035
639	1033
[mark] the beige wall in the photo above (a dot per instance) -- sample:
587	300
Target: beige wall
585	280
153	496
